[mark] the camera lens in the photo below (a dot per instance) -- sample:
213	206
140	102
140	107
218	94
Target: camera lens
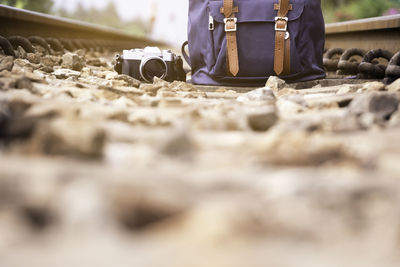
153	67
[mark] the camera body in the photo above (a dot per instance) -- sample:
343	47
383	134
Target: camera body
145	64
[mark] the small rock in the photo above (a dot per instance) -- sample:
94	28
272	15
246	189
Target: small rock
179	145
276	84
170	103
49	61
301	149
72	79
129	80
81	52
107	93
110	75
347	89
371	87
40	50
395	120
96	62
66	73
14	124
341	124
5	73
20	53
262	120
260	94
105	74
150	89
69	137
4	115
50	110
86	72
394	87
23	83
125	102
35	76
322	103
115	83
223	118
381	105
25	64
182	86
137	206
113	93
286	92
166	92
288	108
73	61
198	94
6	63
47	69
367	120
80	85
160	82
33	58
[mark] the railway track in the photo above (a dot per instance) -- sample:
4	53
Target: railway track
348	44
369	40
99	169
65	33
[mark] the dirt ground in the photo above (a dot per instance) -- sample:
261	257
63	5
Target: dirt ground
98	169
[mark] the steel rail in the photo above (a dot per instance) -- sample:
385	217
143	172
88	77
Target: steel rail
372	33
14	21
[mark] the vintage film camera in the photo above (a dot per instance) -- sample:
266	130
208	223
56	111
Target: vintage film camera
145	64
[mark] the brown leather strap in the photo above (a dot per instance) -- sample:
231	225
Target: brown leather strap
286	62
235	9
276	7
279	52
282	45
232	58
284	7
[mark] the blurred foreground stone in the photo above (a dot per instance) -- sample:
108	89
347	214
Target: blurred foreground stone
99	169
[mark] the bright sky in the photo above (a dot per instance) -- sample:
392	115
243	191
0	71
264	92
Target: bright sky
171	23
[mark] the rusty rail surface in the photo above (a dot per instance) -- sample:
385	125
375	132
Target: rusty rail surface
14	21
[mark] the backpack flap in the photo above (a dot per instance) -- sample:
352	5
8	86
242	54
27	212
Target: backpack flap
256	42
255	38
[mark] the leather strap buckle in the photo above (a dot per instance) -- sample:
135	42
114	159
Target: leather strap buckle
226	21
285	19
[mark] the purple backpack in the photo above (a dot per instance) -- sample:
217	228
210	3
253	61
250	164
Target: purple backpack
243	42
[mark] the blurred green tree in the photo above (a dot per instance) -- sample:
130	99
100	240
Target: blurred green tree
107	16
339	10
8	2
43	6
